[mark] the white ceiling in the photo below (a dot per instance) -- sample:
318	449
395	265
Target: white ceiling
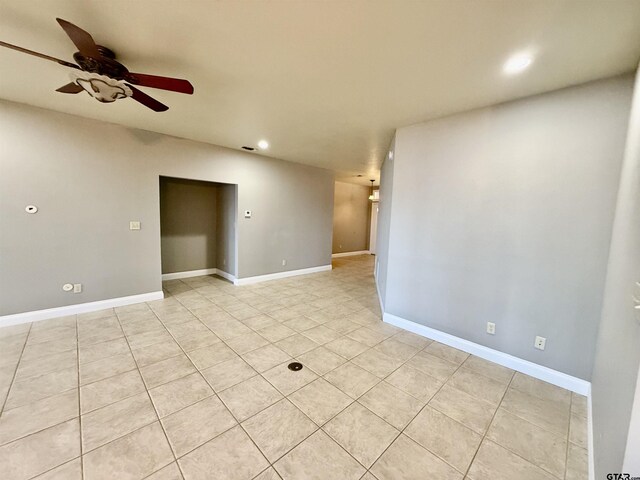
325	82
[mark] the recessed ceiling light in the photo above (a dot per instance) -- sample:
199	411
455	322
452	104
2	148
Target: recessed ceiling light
517	63
263	144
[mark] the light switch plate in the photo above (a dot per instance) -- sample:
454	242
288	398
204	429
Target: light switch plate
134	225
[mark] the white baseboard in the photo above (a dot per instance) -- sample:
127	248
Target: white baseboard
189	274
350	254
524	366
225	275
247	280
38	315
279	275
198	273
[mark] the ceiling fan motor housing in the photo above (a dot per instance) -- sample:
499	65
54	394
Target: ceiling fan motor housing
105	65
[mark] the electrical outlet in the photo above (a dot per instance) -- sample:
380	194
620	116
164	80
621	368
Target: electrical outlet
540	343
224	261
77	288
491	328
284	262
134	225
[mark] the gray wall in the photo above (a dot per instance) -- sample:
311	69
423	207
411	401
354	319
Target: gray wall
504	214
384	222
618	346
188	224
351	212
91	178
226	228
631	458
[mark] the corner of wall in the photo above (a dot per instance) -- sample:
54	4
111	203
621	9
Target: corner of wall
384	221
616	369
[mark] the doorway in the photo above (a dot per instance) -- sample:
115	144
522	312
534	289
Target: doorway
197	228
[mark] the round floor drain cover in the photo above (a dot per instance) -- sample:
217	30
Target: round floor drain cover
295	366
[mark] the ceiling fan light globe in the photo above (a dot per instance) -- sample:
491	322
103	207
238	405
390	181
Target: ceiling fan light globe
102	88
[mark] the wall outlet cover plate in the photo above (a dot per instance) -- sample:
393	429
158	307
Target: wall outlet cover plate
540	343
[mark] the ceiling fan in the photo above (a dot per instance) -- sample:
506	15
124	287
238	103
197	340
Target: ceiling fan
99	74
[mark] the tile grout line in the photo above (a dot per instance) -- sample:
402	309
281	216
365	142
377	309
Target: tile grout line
272	464
197	370
380	380
321	427
15	371
527	421
79	407
566	454
212	389
60	422
490	423
499	405
50	426
546	429
401	431
148	395
284	397
445	382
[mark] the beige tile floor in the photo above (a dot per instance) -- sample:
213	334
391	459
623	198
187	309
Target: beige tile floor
196	386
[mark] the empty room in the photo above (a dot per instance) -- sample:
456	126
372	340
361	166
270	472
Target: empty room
320	240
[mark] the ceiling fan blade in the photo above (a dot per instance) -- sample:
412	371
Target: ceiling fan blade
146	100
39	55
165	83
81	39
70	88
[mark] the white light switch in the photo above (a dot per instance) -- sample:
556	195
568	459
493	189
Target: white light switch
134	225
77	288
